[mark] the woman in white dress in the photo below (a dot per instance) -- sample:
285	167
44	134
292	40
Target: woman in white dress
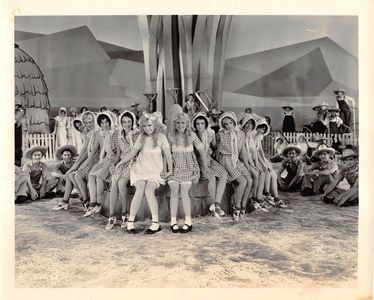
61	128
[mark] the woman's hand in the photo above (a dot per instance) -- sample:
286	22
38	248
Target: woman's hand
165	175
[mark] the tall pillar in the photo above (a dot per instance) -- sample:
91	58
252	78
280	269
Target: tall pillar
186	53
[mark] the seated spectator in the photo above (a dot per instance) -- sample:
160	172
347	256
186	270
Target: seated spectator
294	166
279	145
321	173
37	172
66	158
338	196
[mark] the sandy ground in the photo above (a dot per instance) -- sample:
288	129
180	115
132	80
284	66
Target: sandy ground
315	245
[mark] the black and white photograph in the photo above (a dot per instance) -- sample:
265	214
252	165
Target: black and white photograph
187	151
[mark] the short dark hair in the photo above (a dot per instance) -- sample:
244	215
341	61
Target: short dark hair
84	107
127	114
103	108
200	118
100	118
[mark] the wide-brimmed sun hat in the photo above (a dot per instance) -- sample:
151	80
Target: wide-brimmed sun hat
291	147
228	114
71	148
322	149
287	105
32	149
349	153
339	90
199	115
324	103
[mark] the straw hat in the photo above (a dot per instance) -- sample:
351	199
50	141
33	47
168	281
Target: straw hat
32	149
324	103
349	153
289	148
339	90
323	148
287	105
134	104
61	150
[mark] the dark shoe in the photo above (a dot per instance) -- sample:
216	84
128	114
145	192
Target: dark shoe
307	192
185	228
174	228
151	231
21	199
131	230
59	194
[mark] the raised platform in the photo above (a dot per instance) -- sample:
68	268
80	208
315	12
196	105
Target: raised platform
200	202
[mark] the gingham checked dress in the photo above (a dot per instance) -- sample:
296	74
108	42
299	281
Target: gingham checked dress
214	168
225	151
185	165
125	144
101	168
85	171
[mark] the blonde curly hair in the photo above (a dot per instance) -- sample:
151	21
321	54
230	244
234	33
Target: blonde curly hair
156	119
189	136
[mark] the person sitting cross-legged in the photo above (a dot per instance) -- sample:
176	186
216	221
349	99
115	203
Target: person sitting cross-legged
294	166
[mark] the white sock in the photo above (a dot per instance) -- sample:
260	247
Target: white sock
188	220
154	226
173	220
131	225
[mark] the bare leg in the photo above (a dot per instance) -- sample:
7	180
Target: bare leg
72	178
239	191
212	188
135	203
92	189
152	203
113	196
174	191
100	185
274	184
261	185
81	183
247	191
221	188
186	201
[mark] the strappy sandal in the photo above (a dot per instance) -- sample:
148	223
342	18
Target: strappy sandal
151	231
132	230
185	228
174	228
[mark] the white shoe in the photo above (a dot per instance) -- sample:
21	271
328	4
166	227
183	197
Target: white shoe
213	210
111	222
235	214
242	214
260	206
90	211
219	210
60	206
97	209
270	200
281	204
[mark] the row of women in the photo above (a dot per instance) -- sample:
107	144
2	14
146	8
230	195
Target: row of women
147	156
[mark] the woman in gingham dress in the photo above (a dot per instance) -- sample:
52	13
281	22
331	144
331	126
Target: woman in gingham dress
185	168
87	158
230	146
200	123
107	140
127	136
271	178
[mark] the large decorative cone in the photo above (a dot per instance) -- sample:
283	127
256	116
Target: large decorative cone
31	91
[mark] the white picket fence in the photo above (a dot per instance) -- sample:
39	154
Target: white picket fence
343	138
46	140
